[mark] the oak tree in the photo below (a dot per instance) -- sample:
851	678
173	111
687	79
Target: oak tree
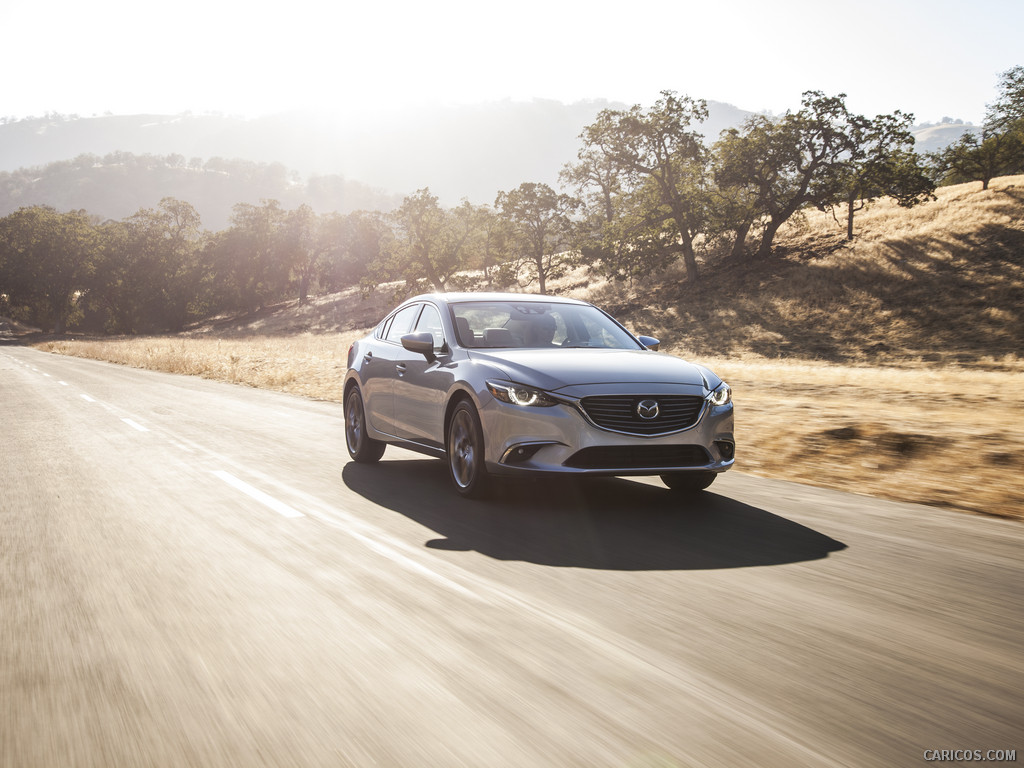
882	163
644	175
539	224
789	162
46	257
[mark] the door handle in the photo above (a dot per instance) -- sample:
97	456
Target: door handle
368	357
400	367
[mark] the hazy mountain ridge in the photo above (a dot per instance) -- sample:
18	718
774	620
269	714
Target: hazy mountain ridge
368	159
120	183
467	151
930	137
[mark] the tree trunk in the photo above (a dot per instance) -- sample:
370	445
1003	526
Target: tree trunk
738	245
764	250
849	217
690	261
60	308
431	272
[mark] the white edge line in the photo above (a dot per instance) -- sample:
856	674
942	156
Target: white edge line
278	506
87	398
135	425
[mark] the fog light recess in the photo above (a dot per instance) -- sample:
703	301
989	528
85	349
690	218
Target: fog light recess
726	449
518	454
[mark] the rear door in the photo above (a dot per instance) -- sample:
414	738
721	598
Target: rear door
380	371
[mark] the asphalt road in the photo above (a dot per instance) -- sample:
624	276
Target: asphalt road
191	574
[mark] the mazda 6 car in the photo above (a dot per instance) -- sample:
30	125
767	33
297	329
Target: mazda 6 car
514	384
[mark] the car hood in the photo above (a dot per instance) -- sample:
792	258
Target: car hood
561	370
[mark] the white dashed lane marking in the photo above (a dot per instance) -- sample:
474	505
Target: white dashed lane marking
263	498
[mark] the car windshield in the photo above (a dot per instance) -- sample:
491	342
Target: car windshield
534	325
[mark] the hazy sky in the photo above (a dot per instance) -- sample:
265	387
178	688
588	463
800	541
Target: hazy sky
934	58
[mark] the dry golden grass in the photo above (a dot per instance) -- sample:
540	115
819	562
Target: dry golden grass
309	365
944	436
889	366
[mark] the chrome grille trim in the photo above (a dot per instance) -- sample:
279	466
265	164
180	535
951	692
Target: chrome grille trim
617	413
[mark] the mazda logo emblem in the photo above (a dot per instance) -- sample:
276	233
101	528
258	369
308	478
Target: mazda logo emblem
647	409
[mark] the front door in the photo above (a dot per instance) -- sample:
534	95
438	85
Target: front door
421	385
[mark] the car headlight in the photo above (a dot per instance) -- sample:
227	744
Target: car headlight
516	394
721	396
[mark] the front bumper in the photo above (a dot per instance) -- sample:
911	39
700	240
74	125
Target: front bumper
561	439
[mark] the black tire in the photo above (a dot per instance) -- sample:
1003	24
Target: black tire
465	449
361	447
688	482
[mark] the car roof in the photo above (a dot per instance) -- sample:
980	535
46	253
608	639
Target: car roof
467	296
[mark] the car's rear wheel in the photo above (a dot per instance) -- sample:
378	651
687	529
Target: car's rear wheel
361	447
688	482
466	452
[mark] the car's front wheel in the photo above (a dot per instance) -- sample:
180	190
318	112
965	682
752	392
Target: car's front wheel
688	482
361	447
466	452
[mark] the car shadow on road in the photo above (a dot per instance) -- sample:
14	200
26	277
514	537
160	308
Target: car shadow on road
602	523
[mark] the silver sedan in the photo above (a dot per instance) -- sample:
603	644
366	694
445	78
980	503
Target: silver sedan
513	384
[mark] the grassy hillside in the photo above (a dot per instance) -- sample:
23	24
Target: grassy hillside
941	283
889	366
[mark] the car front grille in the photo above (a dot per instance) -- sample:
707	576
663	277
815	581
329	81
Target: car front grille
627	457
621	413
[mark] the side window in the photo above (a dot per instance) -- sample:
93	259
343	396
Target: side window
430	322
561	329
598	336
402	323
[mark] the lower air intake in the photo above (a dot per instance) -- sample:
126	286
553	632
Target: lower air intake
639	457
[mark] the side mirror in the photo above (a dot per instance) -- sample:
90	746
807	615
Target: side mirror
650	342
421	343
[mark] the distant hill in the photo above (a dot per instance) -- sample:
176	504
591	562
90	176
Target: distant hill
118	184
932	138
368	160
469	151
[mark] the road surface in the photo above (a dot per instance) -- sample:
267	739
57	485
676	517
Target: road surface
192	574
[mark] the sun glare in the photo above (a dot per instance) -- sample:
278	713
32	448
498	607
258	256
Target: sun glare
242	59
